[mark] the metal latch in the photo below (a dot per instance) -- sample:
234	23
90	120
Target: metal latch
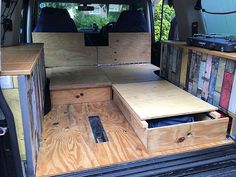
3	131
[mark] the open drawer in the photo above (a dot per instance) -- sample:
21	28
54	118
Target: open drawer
208	127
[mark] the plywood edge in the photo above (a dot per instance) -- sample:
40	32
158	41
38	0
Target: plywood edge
22	67
134	122
143	124
79	86
180	114
228	55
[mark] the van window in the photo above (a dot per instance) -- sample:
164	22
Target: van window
168	16
101	15
220	24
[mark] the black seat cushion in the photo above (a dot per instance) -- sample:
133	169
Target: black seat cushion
131	21
55	20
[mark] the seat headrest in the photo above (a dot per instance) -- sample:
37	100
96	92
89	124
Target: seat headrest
55	20
131	21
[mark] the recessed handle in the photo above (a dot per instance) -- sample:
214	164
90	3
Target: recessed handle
180	140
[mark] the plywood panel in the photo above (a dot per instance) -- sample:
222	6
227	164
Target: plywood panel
66	49
76	77
158	99
20	60
126	48
87	76
82	95
131	73
228	55
68	145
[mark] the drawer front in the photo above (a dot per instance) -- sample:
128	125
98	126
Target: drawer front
185	135
73	96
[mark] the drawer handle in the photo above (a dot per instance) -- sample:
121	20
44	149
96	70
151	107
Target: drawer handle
77	96
180	140
81	94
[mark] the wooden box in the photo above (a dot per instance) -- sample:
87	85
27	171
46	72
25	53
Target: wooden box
161	99
80	95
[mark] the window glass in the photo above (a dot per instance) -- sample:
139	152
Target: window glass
168	16
101	15
220	24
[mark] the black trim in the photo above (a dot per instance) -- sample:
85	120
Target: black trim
150	7
99	133
217	161
16	161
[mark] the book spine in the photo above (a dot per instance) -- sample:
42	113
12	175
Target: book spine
232	102
213	77
207	77
226	90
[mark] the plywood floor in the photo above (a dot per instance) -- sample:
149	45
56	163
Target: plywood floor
68	144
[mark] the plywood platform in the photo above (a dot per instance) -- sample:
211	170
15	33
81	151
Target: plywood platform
68	144
121	74
76	77
160	99
84	77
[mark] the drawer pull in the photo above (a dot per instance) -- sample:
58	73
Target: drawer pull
180	140
81	94
77	96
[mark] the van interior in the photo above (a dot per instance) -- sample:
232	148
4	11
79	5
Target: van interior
114	88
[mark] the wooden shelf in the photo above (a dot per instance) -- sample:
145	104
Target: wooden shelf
20	60
227	55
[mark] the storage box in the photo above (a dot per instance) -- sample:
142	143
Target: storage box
160	99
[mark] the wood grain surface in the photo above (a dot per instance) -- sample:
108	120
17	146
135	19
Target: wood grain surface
20	60
159	99
175	136
76	77
68	144
185	135
80	95
66	49
85	77
126	48
228	55
131	73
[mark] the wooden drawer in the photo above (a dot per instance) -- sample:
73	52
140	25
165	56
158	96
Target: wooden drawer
206	130
80	95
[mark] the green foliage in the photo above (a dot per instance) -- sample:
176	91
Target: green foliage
85	20
169	13
60	5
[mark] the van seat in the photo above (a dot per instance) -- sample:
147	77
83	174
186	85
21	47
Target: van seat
131	21
55	20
